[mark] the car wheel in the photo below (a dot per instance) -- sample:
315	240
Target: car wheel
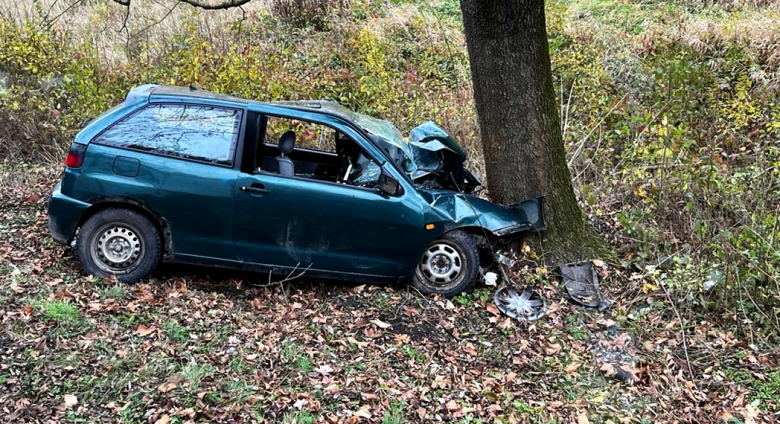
119	242
449	266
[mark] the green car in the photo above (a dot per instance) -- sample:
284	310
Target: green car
189	176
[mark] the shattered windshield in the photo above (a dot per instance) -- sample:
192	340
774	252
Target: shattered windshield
411	157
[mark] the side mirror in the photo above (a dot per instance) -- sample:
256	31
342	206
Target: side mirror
388	185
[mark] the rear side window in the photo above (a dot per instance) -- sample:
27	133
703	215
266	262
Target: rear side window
203	133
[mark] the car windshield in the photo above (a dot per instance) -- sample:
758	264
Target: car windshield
414	161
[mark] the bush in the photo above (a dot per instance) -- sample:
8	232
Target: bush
304	13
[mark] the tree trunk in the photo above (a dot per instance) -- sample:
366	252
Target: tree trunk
518	119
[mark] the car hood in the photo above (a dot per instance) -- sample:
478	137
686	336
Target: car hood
457	210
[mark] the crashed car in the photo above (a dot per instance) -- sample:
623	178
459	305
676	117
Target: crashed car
183	175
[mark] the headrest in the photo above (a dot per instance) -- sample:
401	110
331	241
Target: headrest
287	142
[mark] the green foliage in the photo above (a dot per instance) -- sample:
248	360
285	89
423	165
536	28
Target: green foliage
304	416
389	69
59	311
175	332
674	131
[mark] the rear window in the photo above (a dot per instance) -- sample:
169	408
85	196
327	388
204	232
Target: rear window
202	133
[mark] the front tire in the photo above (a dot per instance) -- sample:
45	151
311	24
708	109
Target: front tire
119	242
449	266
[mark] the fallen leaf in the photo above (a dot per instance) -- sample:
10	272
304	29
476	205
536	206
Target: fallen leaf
380	324
71	401
402	339
583	418
363	412
144	331
324	369
165	419
572	367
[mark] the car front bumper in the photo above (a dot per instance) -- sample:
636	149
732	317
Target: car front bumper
64	214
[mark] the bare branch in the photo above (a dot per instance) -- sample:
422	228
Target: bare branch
47	23
153	24
127	15
202	4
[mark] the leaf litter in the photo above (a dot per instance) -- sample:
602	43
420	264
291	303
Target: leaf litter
202	345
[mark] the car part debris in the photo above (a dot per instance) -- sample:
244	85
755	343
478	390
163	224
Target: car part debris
528	306
491	278
505	260
582	285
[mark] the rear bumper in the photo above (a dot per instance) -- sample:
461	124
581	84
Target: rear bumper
64	214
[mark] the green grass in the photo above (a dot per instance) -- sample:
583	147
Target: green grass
116	292
395	414
303	364
175	332
304	416
59	311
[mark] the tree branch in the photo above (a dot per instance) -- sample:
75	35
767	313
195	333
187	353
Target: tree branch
202	4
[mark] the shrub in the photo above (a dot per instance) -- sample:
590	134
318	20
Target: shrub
305	13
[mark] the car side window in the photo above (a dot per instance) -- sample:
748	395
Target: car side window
320	152
308	135
203	133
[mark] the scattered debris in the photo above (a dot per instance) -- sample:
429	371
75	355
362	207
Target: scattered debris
615	351
528	306
582	285
505	260
491	278
715	278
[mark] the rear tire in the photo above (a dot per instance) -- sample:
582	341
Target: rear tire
449	266
119	242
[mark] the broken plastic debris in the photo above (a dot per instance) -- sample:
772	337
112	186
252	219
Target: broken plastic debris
582	284
491	278
528	306
505	260
715	278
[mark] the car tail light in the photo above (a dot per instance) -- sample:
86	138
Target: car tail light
76	155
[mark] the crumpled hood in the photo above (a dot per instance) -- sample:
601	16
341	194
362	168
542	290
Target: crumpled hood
429	136
463	210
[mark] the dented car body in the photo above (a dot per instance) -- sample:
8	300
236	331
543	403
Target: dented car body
190	176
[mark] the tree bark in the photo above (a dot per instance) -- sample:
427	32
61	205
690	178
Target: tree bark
518	118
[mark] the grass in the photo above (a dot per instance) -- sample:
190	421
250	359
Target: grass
303	416
117	292
59	311
395	414
176	332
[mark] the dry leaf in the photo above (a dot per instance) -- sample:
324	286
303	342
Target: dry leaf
144	331
583	418
380	324
165	419
324	369
71	401
363	412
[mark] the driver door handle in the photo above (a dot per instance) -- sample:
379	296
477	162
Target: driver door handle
255	189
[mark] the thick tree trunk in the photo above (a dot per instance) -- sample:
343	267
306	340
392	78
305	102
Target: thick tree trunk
518	118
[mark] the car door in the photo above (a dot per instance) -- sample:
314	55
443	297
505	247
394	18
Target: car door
307	223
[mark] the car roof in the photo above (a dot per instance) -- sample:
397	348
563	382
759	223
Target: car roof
155	92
